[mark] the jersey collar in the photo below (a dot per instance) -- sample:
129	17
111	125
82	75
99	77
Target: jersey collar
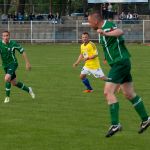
5	43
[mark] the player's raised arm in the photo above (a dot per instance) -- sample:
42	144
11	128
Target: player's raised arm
78	60
115	33
28	65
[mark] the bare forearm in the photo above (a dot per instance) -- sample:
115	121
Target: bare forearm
28	66
115	33
25	57
79	59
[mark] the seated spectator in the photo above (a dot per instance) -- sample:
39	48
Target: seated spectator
20	18
26	17
122	16
110	12
39	17
4	18
50	16
129	16
31	17
9	17
110	7
104	11
135	16
57	18
15	17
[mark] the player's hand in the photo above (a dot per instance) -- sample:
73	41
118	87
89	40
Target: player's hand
75	65
104	62
100	31
28	66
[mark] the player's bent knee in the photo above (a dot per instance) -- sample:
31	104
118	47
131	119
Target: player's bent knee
82	76
13	83
7	78
129	96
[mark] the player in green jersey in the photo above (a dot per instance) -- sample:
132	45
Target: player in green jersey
10	64
118	58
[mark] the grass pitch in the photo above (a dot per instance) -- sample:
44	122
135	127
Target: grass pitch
62	117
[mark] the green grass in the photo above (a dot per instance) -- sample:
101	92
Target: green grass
62	117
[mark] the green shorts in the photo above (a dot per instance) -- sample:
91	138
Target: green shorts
120	72
11	70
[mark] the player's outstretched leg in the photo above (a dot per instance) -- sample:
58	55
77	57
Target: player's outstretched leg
144	125
25	88
31	93
113	129
88	86
140	109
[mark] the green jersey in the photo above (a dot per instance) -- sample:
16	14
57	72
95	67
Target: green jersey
114	47
7	52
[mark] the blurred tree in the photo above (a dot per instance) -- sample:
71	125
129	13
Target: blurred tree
85	6
21	6
64	6
4	6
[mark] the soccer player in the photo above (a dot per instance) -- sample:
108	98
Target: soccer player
89	55
118	58
10	64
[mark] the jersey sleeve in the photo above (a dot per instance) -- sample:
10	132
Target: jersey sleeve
114	26
95	52
18	47
110	26
81	51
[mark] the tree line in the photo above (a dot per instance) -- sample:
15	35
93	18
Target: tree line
64	7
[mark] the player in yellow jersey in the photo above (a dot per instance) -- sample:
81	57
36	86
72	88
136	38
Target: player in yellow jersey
92	66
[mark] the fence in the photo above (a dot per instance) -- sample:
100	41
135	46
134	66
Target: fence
70	31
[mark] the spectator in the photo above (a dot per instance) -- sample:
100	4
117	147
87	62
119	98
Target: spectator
135	16
50	16
31	17
39	17
104	11
129	16
110	12
4	18
122	16
57	16
26	17
20	18
109	7
9	16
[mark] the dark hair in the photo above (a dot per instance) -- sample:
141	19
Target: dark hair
6	32
85	33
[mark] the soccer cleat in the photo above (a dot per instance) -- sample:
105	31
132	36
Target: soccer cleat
6	100
144	125
113	129
31	93
88	91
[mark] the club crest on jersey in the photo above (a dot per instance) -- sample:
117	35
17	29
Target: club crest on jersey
9	49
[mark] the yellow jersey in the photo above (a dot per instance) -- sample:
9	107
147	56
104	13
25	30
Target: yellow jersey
90	50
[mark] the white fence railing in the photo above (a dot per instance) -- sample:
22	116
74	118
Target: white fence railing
70	31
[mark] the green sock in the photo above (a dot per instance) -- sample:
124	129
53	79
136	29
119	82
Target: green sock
114	113
22	86
8	87
139	107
